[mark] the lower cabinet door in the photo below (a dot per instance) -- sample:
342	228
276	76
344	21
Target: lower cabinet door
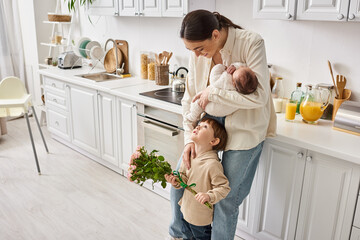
126	131
328	198
108	130
84	119
278	190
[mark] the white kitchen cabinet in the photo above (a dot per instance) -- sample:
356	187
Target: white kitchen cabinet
328	198
328	10
322	10
354	11
103	7
279	181
274	9
84	118
127	131
302	194
148	8
108	128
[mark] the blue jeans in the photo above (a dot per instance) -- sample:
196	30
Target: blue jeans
192	232
239	167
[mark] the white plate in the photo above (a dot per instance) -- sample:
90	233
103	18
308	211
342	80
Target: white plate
97	53
90	45
77	45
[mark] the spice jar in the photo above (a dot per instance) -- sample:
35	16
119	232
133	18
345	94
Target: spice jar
151	66
144	65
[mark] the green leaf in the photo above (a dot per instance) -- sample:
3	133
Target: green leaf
161	158
163	184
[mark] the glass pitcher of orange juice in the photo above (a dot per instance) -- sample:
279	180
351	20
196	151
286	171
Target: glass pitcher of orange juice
315	102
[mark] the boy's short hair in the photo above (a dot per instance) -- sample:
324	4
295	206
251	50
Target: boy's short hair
219	132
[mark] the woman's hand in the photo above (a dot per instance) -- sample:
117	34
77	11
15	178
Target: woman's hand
189	150
231	69
170	178
202	197
203	97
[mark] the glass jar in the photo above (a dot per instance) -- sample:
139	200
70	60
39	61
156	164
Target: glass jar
329	110
151	66
144	65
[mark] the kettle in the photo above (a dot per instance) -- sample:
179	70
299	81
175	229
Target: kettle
178	82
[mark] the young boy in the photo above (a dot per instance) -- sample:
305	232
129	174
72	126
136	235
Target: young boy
237	77
207	173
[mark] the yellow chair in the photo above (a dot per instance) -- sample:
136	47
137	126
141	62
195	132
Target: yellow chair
14	101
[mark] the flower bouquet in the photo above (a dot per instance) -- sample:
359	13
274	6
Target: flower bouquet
144	166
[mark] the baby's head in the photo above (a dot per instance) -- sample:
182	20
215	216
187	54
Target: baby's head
210	131
245	80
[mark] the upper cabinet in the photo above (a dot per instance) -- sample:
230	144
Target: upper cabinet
322	10
274	9
103	7
148	8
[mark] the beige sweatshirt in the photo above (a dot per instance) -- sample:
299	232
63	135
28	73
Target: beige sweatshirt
207	173
255	118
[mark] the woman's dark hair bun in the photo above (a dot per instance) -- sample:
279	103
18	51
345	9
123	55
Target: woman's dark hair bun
198	25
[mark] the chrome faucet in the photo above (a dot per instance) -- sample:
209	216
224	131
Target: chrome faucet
118	70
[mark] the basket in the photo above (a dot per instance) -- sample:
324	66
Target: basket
53	17
162	74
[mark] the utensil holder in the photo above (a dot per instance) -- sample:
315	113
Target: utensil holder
162	74
338	102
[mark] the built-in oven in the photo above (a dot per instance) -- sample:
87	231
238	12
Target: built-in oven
161	130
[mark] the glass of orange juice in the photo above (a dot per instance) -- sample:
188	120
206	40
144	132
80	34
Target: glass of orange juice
290	110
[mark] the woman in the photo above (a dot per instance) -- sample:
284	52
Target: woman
214	39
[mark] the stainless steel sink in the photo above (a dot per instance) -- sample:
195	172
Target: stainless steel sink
99	77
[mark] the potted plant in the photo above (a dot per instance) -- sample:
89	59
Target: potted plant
71	4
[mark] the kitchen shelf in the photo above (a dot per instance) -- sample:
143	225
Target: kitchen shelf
56	22
54	45
46	66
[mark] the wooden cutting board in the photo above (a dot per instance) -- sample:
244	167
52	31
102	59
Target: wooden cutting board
123	57
124	48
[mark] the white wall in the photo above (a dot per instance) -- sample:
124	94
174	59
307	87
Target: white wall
299	50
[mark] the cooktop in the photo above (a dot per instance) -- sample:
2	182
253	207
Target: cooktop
166	95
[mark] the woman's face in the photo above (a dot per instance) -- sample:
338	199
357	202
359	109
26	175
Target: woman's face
206	48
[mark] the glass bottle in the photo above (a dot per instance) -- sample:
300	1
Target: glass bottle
329	110
297	95
278	89
278	93
151	66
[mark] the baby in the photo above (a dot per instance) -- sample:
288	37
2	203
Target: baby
237	77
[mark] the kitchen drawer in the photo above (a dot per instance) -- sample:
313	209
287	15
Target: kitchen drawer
357	215
58	124
355	233
53	84
56	100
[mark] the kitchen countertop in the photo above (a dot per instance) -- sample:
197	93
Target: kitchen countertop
320	138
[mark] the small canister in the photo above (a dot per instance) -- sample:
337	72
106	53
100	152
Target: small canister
329	109
144	65
151	66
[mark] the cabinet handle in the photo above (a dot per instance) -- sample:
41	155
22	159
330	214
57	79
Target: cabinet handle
299	154
141	14
57	123
136	14
340	16
352	16
116	14
288	16
308	158
53	85
55	100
